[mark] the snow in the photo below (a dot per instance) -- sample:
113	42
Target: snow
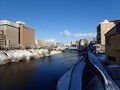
55	52
72	79
63	83
101	57
76	82
114	66
17	55
109	83
3	58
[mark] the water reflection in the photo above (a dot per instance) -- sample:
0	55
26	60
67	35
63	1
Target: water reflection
39	74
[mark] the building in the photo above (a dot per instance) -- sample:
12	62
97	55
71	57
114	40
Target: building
2	39
112	47
51	43
99	48
41	43
116	21
66	45
11	32
94	40
103	28
26	35
82	42
17	33
73	44
78	43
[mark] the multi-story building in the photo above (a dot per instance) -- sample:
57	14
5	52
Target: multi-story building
17	33
112	46
82	42
116	21
41	43
26	35
94	40
2	39
11	32
103	28
73	44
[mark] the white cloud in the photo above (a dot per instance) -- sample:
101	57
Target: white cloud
66	33
85	34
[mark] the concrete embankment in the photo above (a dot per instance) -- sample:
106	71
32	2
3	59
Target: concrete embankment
23	55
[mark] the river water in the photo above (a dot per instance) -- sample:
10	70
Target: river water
38	74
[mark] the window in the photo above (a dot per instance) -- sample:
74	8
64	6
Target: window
108	42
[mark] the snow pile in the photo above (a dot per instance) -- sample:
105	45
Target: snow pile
64	82
55	52
39	53
72	79
76	80
34	53
17	55
3	58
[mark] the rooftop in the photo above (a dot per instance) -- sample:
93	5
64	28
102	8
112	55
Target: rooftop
7	22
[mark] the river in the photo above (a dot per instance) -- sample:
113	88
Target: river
38	74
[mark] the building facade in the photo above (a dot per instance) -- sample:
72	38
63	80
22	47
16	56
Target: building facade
103	28
17	33
26	35
11	32
41	43
94	40
112	46
12	35
82	42
73	44
2	39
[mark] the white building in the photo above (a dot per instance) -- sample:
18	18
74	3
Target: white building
41	43
102	29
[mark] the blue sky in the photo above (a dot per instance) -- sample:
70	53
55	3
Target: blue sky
53	19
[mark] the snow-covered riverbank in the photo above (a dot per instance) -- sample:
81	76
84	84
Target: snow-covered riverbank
22	55
55	52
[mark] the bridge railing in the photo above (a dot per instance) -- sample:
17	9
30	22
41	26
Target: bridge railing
109	83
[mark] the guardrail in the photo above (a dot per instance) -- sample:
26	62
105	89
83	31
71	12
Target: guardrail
109	83
75	81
